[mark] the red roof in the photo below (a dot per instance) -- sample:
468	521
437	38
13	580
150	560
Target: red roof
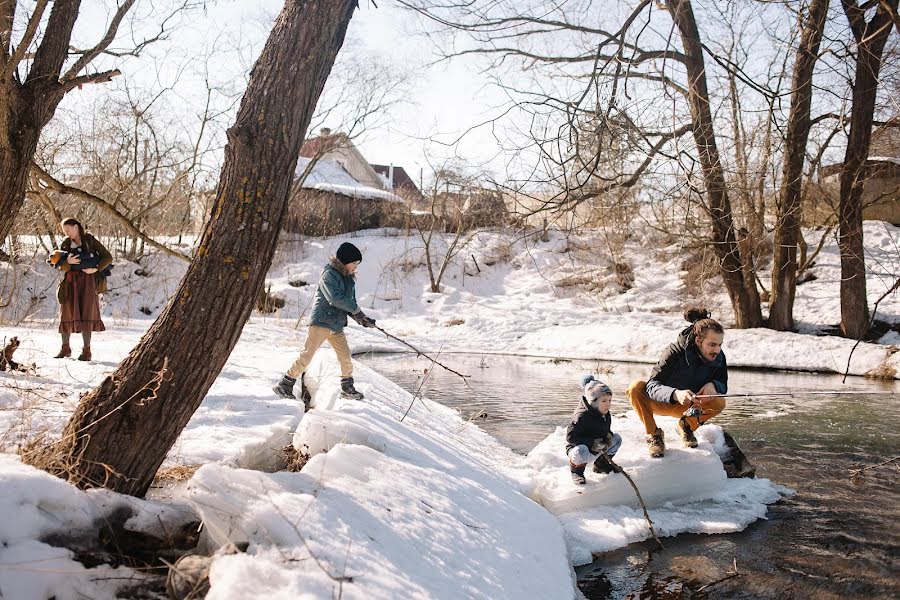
321	144
402	180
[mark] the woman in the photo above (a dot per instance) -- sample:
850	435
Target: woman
78	290
693	366
335	299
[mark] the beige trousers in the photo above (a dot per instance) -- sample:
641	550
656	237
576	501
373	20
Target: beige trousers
315	337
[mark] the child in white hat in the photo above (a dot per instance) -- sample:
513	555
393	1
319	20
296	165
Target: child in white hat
589	436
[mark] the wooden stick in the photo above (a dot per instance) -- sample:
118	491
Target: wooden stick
619	469
881	464
420	353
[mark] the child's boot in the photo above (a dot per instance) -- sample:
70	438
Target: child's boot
578	474
285	387
348	391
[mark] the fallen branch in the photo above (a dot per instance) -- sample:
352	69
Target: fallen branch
420	353
881	464
619	469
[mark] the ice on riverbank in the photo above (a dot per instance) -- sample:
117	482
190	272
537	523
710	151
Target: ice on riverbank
685	491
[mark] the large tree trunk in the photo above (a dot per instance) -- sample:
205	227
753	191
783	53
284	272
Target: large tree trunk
741	292
122	431
870	39
790	206
25	108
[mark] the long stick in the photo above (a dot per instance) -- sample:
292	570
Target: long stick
420	353
795	394
881	464
619	469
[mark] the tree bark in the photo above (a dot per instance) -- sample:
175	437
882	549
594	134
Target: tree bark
741	292
870	39
25	108
790	205
122	431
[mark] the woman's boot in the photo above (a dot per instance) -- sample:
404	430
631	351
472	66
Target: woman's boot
85	354
64	352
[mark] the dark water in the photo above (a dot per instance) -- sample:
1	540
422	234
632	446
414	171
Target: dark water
835	538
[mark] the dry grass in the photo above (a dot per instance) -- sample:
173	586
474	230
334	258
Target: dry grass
294	460
176	474
454	322
881	372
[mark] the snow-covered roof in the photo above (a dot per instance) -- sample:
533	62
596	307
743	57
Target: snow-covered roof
329	176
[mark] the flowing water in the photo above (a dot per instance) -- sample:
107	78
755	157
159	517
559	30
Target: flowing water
837	537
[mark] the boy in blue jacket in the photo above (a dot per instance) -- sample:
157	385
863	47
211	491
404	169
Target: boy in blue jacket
589	436
335	299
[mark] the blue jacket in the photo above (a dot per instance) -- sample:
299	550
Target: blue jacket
682	368
335	297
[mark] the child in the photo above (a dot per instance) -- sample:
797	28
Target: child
589	434
87	260
335	299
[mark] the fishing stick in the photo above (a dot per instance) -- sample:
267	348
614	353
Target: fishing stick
420	353
794	394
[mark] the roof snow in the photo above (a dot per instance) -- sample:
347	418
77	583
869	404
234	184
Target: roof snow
328	175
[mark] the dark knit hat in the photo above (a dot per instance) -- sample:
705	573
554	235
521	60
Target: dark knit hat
348	253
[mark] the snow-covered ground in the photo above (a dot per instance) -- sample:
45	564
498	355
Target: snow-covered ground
425	505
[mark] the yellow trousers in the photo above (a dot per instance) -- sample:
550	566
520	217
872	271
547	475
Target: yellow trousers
315	337
646	407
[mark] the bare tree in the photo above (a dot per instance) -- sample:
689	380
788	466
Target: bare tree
743	293
870	37
122	430
790	206
29	99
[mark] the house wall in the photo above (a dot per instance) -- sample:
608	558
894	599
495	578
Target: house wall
313	212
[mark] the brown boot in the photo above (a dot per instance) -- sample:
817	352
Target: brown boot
64	352
687	434
85	354
657	443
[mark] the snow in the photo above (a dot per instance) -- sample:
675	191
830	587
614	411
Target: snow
46	508
328	175
422	504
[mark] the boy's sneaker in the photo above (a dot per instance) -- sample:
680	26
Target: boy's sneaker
348	391
687	435
578	475
285	387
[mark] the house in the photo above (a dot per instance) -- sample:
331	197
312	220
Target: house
399	181
341	149
881	190
327	200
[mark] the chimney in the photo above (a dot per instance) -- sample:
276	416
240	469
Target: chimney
391	175
324	131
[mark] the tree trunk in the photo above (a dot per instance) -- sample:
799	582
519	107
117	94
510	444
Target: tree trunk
870	38
26	108
746	311
122	431
790	206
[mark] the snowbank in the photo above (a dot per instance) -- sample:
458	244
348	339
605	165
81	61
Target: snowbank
418	508
41	512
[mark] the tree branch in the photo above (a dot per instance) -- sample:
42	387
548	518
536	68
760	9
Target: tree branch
58	186
94	52
27	38
81	80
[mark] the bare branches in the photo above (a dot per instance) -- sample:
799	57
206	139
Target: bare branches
59	187
102	45
27	38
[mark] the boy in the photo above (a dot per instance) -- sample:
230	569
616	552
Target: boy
335	299
590	434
